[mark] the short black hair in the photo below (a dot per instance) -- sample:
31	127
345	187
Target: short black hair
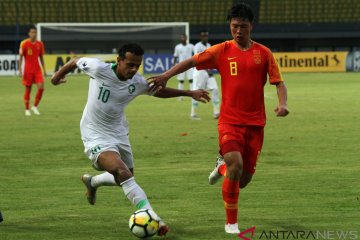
32	27
204	31
132	48
241	10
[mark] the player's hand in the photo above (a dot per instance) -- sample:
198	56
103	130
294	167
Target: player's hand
57	80
281	111
200	95
157	82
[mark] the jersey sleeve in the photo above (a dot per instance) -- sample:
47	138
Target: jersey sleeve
143	86
90	66
273	69
209	58
21	48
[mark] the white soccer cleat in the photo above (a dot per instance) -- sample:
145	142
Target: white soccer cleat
180	99
27	113
195	117
232	228
216	115
215	175
35	110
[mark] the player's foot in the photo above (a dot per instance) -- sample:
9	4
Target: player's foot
195	117
216	115
27	113
232	228
35	110
215	175
91	191
163	228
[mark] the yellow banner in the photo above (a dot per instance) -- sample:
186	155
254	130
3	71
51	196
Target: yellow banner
54	62
312	61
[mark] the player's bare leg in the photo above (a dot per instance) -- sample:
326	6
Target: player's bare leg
40	90
230	190
112	163
27	100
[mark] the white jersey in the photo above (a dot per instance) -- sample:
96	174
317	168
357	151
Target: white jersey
103	119
199	48
183	52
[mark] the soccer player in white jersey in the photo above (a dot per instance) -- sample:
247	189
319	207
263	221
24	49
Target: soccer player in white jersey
204	79
104	129
182	52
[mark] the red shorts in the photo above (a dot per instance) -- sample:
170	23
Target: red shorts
31	78
247	140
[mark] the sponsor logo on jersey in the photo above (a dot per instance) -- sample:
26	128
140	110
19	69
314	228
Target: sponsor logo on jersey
231	58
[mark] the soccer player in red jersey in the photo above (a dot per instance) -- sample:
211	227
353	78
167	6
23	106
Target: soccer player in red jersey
32	50
244	66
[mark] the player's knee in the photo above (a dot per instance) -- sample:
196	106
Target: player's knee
234	167
190	81
182	81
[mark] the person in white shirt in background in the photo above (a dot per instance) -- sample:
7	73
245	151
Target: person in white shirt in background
182	52
204	79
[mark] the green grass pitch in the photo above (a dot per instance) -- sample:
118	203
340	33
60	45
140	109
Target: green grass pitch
308	175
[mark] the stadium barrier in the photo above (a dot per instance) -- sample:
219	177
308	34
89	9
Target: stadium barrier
158	63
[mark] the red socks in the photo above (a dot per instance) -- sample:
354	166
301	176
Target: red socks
27	97
230	193
38	96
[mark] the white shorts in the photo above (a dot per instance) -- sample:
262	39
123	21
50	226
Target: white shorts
188	74
203	81
93	150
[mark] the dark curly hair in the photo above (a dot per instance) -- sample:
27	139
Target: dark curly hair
241	10
132	48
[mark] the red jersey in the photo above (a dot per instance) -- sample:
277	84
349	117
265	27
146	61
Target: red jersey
32	52
243	76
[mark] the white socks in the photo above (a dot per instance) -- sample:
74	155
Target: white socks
215	100
104	179
135	194
181	86
194	105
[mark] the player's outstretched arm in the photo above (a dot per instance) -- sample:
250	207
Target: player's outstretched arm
59	76
160	81
199	95
282	109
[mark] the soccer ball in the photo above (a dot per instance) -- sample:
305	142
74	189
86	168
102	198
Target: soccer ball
144	223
